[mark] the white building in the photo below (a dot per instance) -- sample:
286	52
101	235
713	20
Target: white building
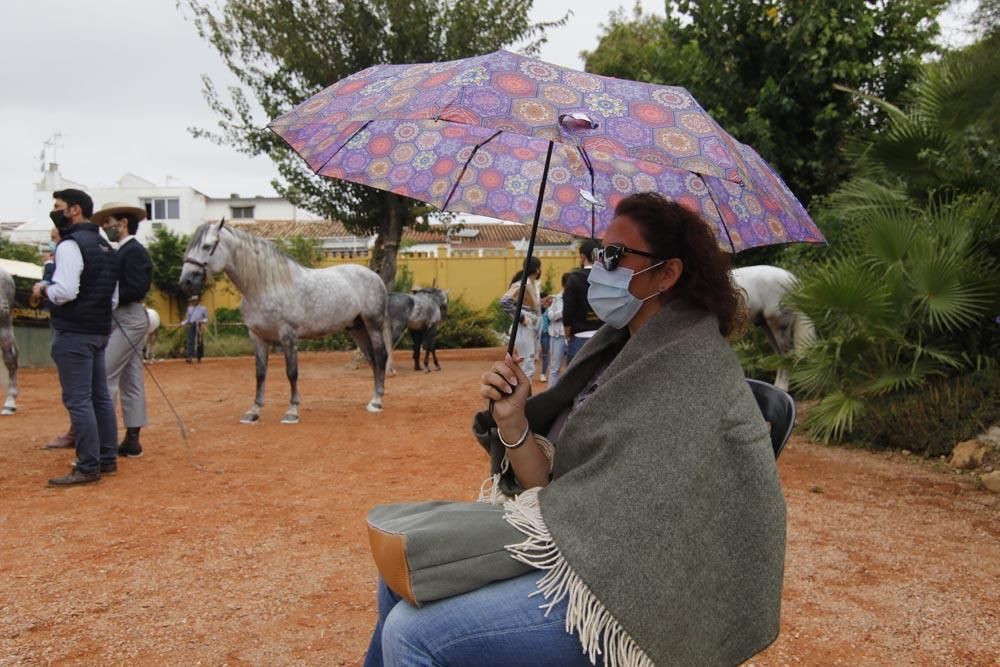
179	208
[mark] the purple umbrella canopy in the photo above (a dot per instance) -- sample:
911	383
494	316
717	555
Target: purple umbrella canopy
472	136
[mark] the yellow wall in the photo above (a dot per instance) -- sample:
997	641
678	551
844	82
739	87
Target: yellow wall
477	280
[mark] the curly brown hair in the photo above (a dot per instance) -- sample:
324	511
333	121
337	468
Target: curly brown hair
674	231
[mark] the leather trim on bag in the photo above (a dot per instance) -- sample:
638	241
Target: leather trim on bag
389	553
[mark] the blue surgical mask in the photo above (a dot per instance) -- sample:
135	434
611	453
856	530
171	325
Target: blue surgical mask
52	246
609	296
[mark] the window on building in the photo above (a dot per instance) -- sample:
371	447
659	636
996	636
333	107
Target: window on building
167	208
241	212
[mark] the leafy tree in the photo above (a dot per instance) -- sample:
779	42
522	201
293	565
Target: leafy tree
283	51
766	71
21	252
914	288
306	251
167	252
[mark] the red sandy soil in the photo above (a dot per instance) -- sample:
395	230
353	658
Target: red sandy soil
247	544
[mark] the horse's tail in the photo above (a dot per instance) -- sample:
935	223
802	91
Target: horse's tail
803	332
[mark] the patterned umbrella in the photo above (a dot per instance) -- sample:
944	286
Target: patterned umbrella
482	135
511	137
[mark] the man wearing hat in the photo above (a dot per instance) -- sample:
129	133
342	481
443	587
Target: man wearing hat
195	319
123	358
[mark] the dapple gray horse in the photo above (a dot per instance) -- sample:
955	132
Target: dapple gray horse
786	329
284	302
421	312
8	345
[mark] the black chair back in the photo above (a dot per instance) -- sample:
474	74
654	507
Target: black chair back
778	409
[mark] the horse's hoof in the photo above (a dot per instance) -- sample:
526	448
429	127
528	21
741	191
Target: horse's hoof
427	370
374	407
7	412
290	419
438	368
250	419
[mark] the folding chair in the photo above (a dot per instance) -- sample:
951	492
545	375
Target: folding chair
778	409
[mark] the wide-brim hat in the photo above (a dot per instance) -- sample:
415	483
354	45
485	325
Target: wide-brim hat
117	209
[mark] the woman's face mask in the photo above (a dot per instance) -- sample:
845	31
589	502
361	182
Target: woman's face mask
609	296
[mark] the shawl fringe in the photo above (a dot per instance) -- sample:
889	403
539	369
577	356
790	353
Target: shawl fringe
489	490
586	616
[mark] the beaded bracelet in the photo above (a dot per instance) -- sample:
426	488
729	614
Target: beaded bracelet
521	440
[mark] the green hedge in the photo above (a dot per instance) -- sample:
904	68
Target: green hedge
932	419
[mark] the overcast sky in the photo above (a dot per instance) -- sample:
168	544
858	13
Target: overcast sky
121	81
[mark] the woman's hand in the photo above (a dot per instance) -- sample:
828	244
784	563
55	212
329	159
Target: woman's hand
509	388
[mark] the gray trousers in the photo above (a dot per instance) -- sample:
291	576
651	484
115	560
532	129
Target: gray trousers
124	362
80	361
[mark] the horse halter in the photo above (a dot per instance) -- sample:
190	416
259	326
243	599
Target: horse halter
204	265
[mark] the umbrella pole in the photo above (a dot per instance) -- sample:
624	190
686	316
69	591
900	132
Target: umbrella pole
531	249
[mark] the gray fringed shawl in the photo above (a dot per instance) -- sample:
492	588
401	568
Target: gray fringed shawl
664	524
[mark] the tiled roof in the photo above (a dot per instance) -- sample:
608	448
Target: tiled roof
486	236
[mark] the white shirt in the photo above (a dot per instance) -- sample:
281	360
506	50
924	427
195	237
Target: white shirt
65	286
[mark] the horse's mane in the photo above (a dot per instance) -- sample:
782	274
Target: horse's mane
258	263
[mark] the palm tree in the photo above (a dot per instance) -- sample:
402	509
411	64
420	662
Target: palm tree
914	286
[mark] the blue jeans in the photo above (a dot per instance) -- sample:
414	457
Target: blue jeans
545	351
495	625
557	351
573	346
80	361
194	346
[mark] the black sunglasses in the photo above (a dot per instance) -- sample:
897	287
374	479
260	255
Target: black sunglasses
611	256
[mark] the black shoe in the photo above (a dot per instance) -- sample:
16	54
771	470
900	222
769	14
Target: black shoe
106	468
130	446
75	477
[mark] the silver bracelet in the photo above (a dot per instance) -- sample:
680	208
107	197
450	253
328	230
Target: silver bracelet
520	441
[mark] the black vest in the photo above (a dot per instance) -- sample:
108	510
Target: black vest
90	311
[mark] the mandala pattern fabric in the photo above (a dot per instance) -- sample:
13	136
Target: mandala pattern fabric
471	136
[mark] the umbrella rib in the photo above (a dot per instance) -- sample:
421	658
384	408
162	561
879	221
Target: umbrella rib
725	227
466	166
593	213
341	147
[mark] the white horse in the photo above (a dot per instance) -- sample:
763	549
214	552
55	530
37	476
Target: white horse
8	346
152	332
284	302
787	330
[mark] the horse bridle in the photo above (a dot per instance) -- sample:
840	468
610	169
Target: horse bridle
204	265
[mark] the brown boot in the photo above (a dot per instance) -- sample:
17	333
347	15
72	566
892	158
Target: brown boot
64	441
75	477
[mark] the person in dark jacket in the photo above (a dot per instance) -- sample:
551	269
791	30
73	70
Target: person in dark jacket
130	323
83	293
579	320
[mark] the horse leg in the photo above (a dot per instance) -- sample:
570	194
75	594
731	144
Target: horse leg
418	340
431	348
372	332
10	360
291	347
778	330
261	350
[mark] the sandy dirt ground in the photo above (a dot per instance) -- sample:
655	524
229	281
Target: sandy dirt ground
247	545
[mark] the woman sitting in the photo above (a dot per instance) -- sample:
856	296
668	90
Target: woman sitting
652	504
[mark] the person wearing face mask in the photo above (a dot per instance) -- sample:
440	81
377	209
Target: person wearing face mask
83	294
644	482
123	358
